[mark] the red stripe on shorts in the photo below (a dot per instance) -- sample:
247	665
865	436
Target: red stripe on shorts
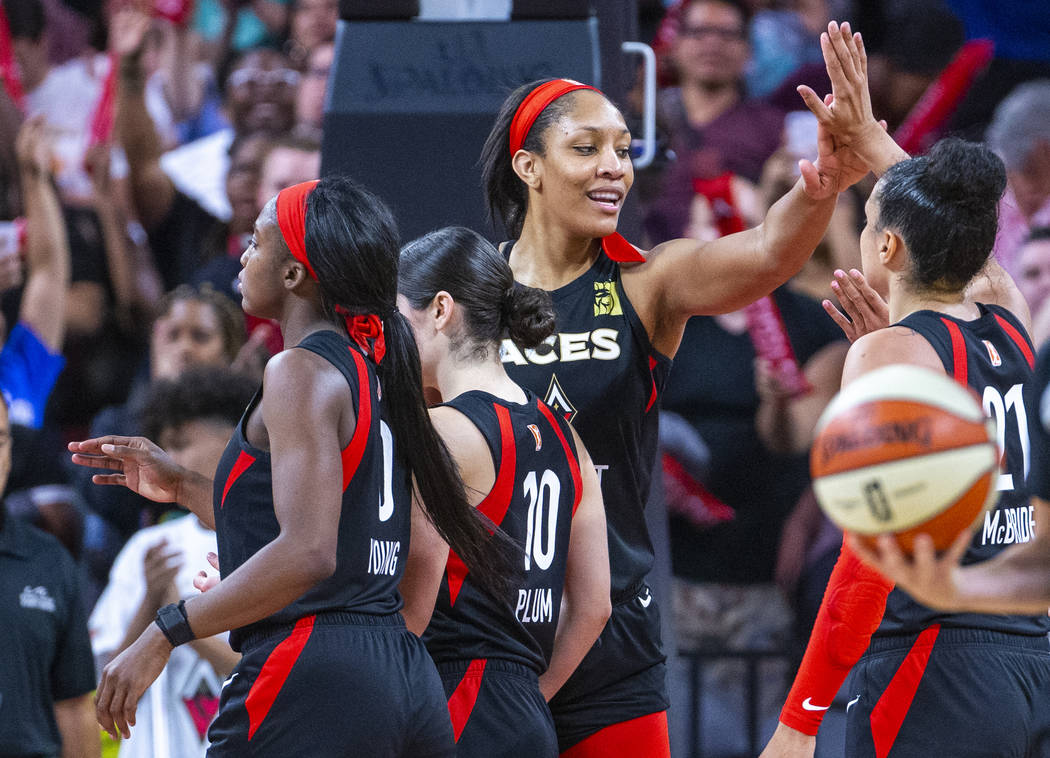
643	737
274	672
463	698
888	714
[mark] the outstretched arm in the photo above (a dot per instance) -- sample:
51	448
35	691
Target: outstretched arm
145	469
683	278
585	599
152	192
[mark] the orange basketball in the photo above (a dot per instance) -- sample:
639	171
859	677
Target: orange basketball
904	450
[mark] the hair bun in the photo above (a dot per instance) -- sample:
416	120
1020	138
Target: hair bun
964	172
528	315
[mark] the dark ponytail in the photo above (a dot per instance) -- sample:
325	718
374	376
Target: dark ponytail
468	267
352	244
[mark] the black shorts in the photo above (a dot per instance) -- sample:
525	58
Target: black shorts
497	710
965	693
622	677
337	684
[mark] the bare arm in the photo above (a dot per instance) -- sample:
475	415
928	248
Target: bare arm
76	723
144	468
585	603
683	278
428	552
784	423
424	569
994	285
304	403
152	191
46	292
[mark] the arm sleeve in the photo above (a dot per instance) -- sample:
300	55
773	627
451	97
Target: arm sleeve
851	611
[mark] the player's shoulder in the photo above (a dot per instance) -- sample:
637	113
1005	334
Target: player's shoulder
892	344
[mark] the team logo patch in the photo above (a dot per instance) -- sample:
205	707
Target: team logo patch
993	354
558	401
536	435
606	299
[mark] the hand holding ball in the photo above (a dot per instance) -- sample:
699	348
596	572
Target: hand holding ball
905	450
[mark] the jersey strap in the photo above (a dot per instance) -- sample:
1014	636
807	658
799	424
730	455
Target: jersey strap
495	504
959	370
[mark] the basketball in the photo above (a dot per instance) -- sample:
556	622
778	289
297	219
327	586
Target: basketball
905	450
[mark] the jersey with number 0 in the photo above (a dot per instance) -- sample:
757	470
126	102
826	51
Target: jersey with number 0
601	373
373	531
993	355
536	491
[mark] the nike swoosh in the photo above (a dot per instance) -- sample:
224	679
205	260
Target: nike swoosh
851	703
648	598
230	679
810	707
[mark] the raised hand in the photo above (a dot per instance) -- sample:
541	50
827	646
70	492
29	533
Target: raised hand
141	466
865	307
127	31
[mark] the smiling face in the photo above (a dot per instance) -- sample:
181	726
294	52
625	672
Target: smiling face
586	171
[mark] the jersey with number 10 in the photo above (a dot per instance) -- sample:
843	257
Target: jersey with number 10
993	355
535	494
373	532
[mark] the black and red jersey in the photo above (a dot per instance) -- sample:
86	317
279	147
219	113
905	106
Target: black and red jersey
376	513
535	494
993	355
601	373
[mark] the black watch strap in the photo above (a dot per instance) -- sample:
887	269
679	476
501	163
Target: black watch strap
173	622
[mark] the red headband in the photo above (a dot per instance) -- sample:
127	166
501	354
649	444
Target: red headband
291	220
534	104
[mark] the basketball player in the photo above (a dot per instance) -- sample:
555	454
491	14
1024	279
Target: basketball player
529	473
931	683
556	168
311	505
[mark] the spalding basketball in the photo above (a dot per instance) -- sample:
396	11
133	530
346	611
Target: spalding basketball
904	450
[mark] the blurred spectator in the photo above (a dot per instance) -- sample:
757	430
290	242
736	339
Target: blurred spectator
724	545
920	40
67	96
1020	134
309	103
1021	33
286	161
181	216
195	327
784	38
713	129
259	98
46	671
192	417
31	357
1033	279
311	25
238	25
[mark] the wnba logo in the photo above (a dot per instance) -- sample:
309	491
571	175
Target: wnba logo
993	354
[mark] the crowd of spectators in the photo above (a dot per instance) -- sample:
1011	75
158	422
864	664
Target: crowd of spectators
139	142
